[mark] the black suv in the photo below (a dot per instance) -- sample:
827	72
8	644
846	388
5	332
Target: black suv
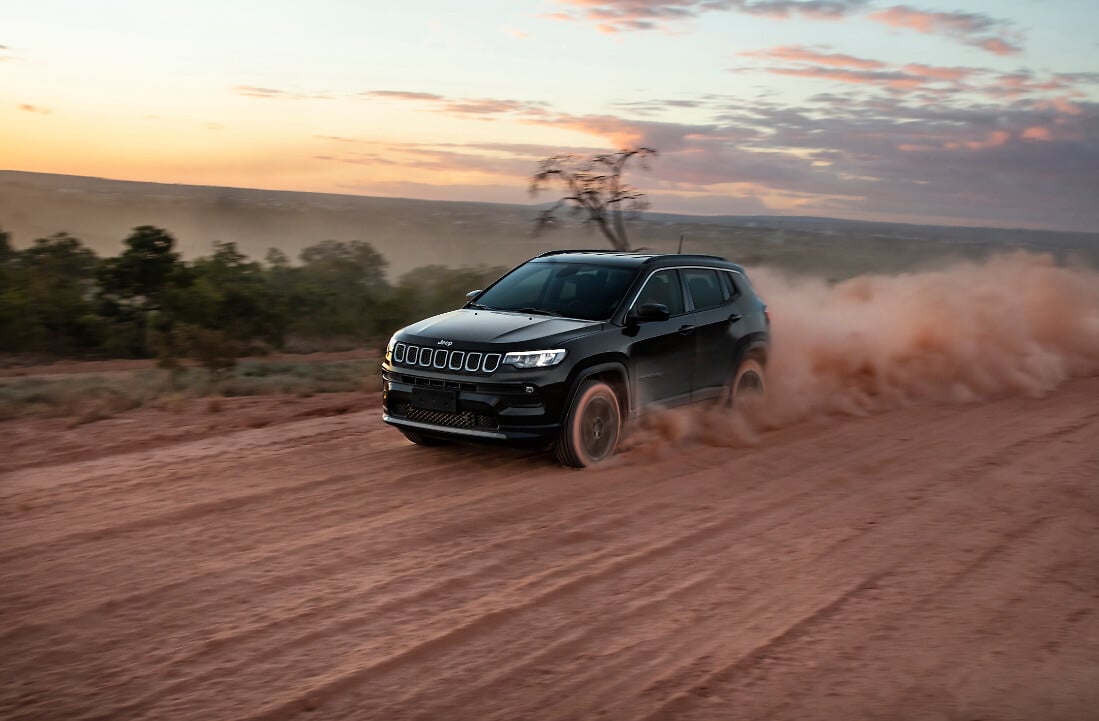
568	345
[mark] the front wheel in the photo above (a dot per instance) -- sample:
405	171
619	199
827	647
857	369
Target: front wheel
591	428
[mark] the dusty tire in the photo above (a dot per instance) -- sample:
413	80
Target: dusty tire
748	382
421	440
591	428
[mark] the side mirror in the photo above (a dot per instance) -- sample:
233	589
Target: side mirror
649	312
473	294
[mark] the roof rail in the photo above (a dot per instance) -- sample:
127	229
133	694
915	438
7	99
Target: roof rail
578	250
684	256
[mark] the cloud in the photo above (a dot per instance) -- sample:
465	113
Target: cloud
451	159
253	91
936	82
492	106
485	108
335	138
914	141
38	109
975	29
403	95
801	54
613	16
656	107
616	16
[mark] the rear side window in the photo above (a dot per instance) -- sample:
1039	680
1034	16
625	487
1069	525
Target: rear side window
730	284
704	287
663	287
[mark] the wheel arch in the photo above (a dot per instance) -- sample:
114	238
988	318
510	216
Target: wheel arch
611	371
756	346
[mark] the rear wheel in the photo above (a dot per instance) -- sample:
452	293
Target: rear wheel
421	440
591	428
748	382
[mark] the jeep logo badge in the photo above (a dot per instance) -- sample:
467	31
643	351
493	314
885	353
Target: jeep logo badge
445	342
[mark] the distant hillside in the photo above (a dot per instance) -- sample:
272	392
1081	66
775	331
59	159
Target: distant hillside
410	233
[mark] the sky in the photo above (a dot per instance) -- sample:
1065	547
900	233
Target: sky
953	112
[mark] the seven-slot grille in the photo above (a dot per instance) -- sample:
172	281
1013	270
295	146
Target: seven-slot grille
445	359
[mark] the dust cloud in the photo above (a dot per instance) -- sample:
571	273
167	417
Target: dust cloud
1015	324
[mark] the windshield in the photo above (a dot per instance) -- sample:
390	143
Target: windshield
572	290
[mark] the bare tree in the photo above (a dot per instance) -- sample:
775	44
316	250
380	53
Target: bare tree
594	186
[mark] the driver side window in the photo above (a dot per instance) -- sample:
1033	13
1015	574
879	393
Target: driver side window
663	287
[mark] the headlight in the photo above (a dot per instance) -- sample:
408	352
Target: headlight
535	358
389	346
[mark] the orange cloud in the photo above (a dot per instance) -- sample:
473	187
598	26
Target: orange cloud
1036	132
1061	105
895	80
938	73
482	107
28	108
974	29
801	54
613	16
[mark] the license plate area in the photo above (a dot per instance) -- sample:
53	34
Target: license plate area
434	399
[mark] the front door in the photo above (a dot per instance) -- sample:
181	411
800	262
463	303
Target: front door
663	352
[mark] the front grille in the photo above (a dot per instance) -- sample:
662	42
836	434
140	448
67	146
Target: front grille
458	361
462	419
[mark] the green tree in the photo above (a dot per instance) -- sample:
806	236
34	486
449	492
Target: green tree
337	289
229	293
594	187
45	300
132	287
429	290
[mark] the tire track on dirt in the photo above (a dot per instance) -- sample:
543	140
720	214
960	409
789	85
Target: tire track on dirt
434	585
589	683
678	545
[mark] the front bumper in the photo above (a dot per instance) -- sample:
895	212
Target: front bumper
515	406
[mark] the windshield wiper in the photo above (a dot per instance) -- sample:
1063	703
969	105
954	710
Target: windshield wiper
478	306
538	311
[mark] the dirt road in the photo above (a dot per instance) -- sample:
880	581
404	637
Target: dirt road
933	562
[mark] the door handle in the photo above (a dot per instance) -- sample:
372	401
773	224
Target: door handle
686	329
734	317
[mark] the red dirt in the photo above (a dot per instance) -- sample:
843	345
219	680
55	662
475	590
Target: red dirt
14	366
939	561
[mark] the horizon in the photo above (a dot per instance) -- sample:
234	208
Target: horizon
781	108
641	216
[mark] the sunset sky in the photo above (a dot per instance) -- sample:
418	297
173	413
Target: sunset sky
935	112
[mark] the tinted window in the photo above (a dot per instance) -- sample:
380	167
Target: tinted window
730	283
663	287
574	290
704	287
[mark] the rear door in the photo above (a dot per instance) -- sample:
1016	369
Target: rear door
718	328
663	352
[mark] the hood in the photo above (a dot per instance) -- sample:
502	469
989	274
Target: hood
489	326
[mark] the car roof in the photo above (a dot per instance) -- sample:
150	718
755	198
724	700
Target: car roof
632	260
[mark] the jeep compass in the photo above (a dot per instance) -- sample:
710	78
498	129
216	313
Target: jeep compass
567	347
